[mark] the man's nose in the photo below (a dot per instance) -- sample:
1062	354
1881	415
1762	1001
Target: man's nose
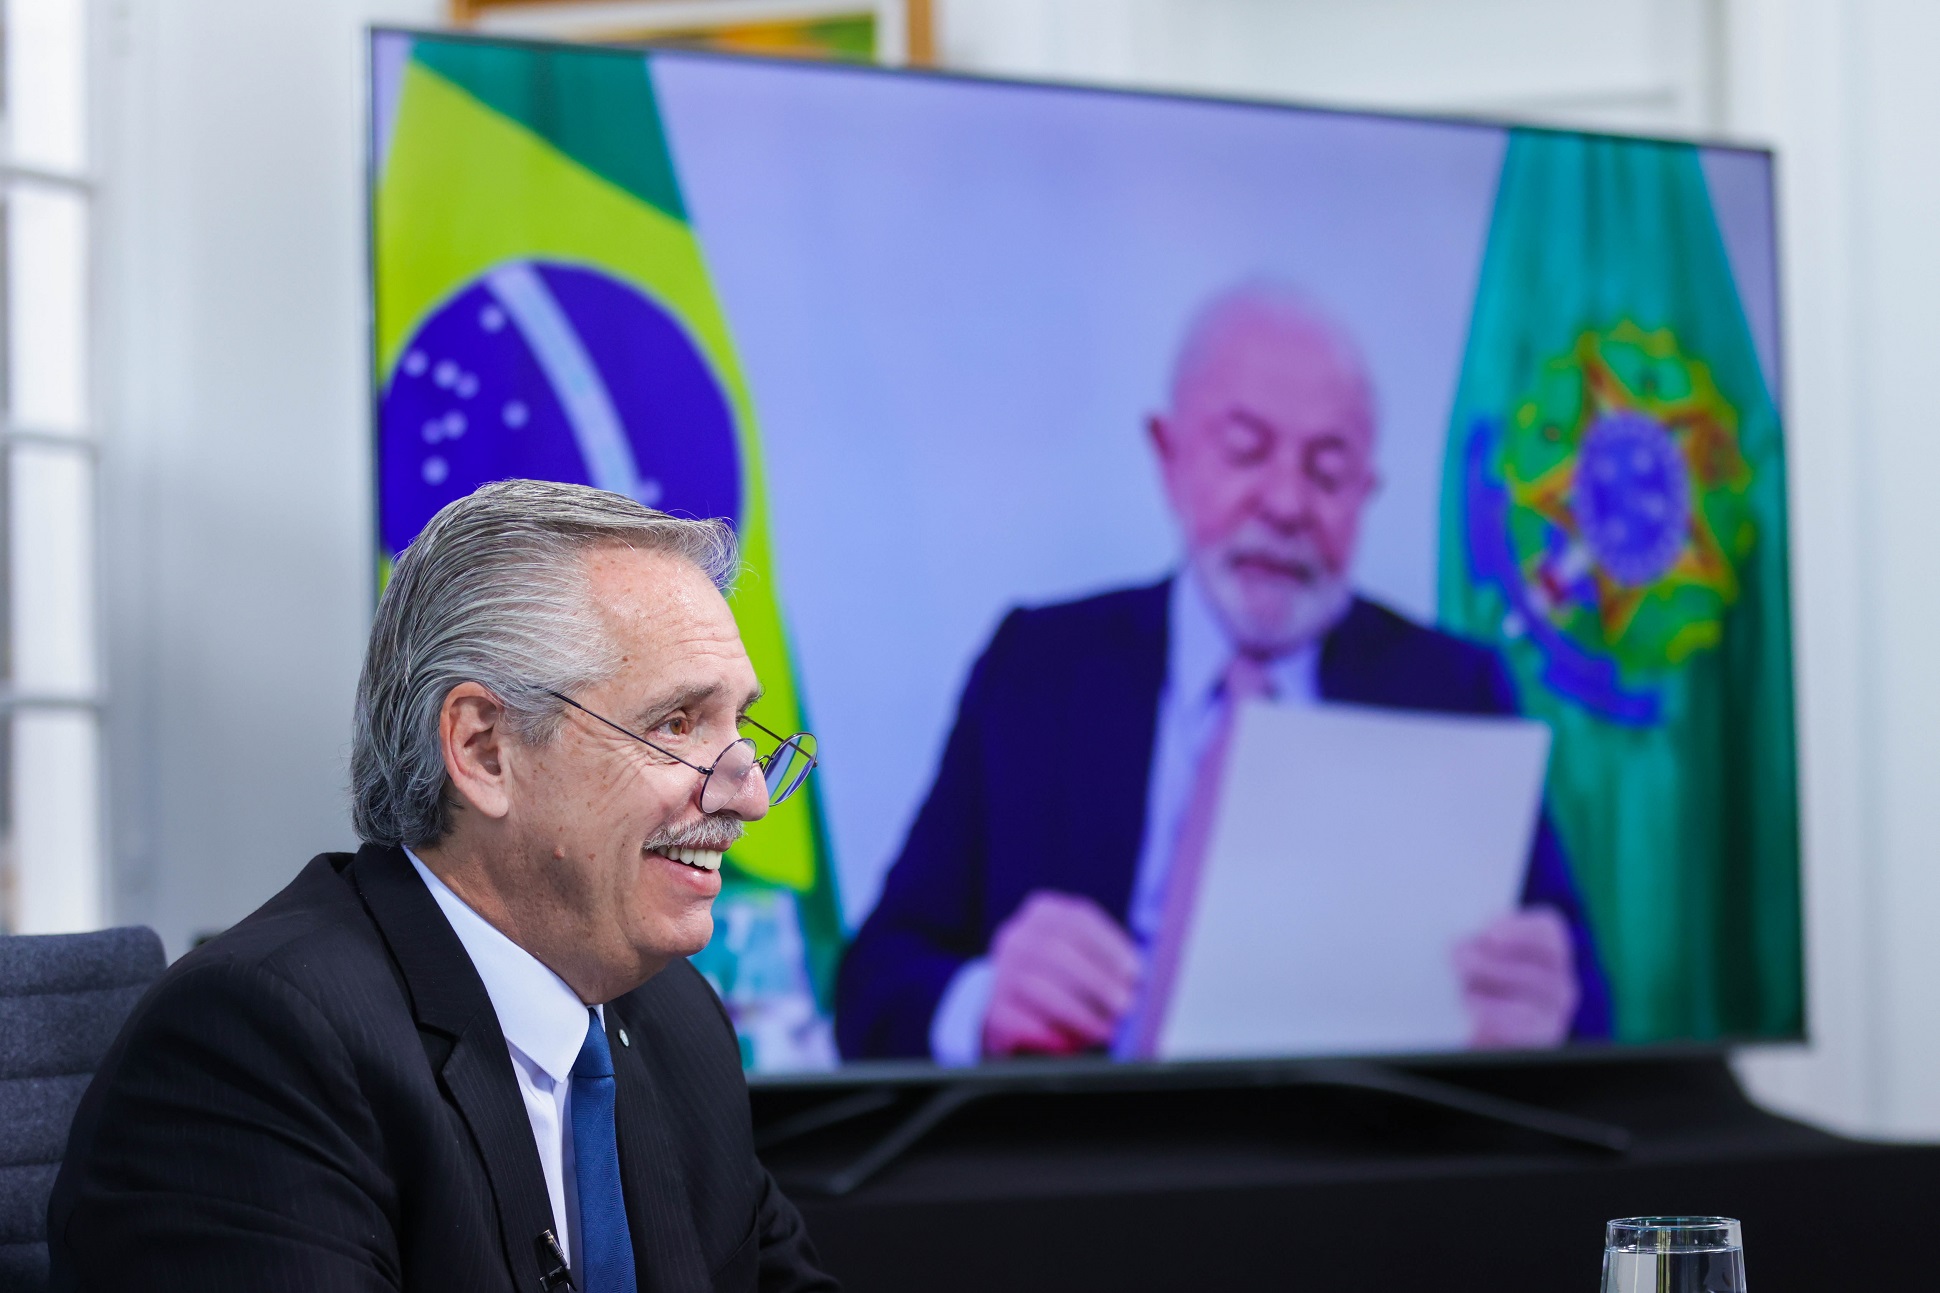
1285	496
750	801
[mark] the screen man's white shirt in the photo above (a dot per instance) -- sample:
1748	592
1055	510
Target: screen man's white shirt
544	1023
1197	653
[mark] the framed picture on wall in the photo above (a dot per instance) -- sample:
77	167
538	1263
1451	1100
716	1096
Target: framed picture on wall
893	32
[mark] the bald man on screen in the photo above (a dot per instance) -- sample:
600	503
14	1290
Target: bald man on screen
1022	914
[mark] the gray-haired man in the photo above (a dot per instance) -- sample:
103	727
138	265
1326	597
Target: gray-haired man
471	1055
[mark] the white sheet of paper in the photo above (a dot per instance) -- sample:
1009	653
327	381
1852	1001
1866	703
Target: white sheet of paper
1352	850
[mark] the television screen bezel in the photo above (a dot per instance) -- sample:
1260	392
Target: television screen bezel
1098	1070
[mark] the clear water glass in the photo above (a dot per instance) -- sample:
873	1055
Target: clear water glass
1673	1255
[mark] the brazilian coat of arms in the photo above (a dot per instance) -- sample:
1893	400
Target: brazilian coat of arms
1609	509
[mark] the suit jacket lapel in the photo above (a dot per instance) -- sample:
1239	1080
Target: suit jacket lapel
659	1213
451	1004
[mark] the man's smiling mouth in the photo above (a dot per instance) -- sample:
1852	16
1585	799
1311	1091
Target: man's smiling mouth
699	859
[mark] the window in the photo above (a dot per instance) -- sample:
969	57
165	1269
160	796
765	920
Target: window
51	876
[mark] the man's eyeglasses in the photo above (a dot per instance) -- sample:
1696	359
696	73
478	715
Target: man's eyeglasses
783	769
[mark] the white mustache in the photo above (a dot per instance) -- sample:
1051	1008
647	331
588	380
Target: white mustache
1299	550
716	834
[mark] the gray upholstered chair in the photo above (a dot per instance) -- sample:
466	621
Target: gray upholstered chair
63	998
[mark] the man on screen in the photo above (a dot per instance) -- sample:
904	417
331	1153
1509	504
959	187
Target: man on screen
1029	899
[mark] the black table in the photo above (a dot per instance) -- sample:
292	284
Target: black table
1312	1185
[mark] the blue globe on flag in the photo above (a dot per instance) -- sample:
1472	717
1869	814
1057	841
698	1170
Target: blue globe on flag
1632	496
553	372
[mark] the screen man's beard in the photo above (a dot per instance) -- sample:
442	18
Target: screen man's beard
1269	615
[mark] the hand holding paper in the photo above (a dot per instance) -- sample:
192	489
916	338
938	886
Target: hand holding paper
1065	975
1519	980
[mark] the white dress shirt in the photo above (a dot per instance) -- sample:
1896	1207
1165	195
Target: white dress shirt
544	1023
1197	653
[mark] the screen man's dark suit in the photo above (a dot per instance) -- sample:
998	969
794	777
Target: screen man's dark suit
321	1099
1043	786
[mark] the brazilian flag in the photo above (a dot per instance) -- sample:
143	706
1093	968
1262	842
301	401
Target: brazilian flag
543	309
1613	521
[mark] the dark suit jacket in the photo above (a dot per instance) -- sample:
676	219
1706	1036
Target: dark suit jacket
1043	786
321	1099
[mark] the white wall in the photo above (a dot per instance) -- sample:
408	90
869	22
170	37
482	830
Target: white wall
1635	64
238	575
236	518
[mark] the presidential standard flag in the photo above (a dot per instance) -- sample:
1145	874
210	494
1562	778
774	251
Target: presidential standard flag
1613	523
543	309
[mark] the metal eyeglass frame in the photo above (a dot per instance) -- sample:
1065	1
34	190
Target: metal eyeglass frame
707	773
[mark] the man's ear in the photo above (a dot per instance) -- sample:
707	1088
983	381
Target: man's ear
471	728
1158	429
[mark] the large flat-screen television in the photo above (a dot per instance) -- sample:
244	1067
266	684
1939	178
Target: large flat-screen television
1266	581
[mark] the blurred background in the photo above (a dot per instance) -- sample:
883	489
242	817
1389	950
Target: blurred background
188	541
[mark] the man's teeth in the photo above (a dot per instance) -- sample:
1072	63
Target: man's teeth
705	859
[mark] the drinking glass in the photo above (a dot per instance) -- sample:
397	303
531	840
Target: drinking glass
1673	1255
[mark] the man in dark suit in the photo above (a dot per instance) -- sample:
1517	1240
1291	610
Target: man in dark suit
472	1055
1037	899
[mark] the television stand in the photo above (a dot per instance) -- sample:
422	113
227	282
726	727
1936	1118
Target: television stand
926	1106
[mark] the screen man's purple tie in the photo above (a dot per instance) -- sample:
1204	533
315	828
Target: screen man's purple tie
1245	679
605	1243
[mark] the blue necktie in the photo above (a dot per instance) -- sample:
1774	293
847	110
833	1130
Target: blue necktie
605	1244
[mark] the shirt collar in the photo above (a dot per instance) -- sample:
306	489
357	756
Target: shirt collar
537	1012
1198	649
